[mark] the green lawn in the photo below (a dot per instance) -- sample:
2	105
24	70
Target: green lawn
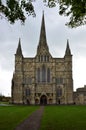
64	118
54	117
11	116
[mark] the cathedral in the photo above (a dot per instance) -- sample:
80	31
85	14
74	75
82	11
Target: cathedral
42	79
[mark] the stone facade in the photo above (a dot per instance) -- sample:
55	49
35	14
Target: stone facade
42	79
80	96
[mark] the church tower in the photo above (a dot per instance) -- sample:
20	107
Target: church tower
68	74
17	84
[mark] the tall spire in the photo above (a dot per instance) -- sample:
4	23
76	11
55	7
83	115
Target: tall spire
19	50
67	52
42	39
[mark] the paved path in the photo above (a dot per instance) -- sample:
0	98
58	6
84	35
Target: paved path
33	122
5	105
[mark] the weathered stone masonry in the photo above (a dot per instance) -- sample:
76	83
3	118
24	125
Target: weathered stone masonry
42	79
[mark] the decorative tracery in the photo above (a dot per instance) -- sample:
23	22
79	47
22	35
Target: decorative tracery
43	74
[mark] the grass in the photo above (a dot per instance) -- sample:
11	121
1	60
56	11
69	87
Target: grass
4	102
64	118
54	117
11	116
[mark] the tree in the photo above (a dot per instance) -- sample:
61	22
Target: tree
76	9
1	96
15	10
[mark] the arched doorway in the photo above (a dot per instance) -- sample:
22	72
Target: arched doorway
50	101
36	101
59	102
43	100
28	102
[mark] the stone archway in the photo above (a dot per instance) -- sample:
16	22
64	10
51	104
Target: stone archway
43	100
36	101
28	102
50	101
59	101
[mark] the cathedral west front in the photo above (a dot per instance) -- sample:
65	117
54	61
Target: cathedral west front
42	79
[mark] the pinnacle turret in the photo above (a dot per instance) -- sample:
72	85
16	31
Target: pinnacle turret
68	51
19	50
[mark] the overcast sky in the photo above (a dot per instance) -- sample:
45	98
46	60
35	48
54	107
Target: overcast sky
57	35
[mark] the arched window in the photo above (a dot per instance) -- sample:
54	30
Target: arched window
47	58
48	75
43	74
27	80
27	91
38	75
59	92
44	58
59	81
41	58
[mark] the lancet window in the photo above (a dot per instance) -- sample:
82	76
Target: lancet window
27	92
28	80
43	58
43	74
59	92
48	75
59	81
38	75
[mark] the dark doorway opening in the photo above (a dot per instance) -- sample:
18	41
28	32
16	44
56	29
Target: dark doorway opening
50	101
59	102
36	101
43	100
28	102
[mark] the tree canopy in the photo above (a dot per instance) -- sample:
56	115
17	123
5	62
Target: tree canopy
15	10
75	9
19	9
